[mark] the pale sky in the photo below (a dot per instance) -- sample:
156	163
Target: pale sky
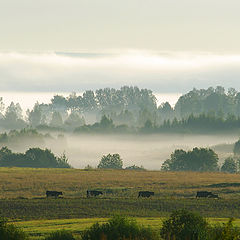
95	25
164	45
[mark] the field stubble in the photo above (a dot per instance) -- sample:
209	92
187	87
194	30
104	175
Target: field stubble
22	193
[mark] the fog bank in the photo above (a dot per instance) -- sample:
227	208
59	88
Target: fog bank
147	150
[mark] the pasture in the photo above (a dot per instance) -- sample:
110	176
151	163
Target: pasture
23	197
22	193
32	183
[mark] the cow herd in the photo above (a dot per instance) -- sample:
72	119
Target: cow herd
147	194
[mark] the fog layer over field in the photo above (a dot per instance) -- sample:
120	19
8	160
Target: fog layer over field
147	150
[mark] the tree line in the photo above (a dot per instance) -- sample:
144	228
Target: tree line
130	106
203	123
196	160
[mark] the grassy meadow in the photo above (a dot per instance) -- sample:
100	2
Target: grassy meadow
23	200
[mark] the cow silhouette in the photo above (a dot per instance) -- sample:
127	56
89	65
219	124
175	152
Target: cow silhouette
206	194
93	193
145	194
53	194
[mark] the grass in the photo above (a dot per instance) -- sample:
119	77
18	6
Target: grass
23	200
37	229
33	209
33	183
22	193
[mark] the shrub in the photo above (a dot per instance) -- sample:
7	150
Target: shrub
134	167
60	235
10	231
184	225
118	228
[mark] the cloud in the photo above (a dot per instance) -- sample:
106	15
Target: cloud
162	72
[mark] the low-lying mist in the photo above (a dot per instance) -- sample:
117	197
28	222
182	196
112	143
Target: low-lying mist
150	151
147	150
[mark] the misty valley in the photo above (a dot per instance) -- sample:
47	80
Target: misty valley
126	121
119	120
92	156
149	151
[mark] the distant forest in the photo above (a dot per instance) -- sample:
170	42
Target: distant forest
129	109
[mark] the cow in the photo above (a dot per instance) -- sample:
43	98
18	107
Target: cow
205	194
145	194
93	193
53	194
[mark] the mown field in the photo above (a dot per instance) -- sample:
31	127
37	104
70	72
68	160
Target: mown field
23	200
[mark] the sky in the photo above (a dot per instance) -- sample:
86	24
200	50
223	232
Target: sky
168	46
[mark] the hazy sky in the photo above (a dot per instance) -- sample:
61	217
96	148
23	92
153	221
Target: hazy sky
75	25
166	45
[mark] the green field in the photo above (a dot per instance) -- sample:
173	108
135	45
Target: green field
37	229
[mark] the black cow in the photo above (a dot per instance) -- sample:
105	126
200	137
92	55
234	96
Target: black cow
145	194
93	193
205	194
53	194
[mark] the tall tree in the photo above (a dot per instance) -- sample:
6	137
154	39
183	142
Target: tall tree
35	116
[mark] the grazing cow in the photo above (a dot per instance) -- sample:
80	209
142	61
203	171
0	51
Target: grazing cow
145	194
93	193
205	194
53	194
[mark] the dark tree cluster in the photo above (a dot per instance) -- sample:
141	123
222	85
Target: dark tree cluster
199	159
33	157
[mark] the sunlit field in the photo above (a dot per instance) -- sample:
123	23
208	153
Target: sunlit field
22	192
37	229
23	200
33	183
